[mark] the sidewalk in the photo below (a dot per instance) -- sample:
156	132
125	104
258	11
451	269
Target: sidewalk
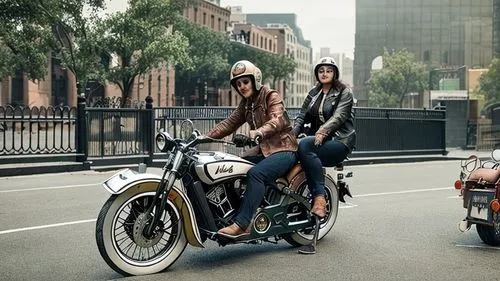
453	154
17	169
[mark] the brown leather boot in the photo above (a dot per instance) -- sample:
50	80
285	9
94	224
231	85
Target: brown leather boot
319	206
233	231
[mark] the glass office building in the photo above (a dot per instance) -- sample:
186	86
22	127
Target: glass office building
441	33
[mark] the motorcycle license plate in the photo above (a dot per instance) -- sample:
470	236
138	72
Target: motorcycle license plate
480	204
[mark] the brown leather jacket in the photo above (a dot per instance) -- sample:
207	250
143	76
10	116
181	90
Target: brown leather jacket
266	113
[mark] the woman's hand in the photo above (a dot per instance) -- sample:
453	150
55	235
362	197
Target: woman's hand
318	139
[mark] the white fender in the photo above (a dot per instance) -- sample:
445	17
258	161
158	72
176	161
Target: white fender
127	178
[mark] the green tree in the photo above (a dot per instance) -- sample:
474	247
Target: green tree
489	85
35	30
208	51
400	75
141	38
278	67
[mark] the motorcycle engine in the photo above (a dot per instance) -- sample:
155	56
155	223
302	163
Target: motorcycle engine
224	198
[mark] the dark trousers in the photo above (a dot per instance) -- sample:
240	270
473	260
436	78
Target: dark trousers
313	158
266	171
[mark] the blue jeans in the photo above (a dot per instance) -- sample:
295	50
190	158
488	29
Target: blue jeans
266	171
313	158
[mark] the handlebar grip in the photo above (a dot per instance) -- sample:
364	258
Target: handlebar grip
257	139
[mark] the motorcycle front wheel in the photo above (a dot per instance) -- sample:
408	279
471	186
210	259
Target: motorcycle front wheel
122	241
305	236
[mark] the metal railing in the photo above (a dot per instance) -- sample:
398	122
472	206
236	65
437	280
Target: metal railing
379	130
118	132
112	132
33	130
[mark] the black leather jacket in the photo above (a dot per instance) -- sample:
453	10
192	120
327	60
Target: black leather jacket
337	123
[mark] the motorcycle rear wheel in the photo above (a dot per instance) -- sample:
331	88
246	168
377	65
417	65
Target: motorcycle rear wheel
122	243
305	236
488	234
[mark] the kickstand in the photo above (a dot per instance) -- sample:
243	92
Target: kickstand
311	248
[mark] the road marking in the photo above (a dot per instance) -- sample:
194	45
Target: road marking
403	192
50	187
45	226
478	246
347	205
343	206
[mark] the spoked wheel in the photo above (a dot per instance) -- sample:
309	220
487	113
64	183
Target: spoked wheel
299	213
122	239
489	234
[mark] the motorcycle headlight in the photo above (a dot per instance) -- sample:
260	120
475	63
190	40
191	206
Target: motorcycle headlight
163	142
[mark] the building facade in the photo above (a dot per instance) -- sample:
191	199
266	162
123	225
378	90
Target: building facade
59	86
291	43
441	33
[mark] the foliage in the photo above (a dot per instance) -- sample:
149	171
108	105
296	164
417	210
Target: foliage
400	75
208	51
141	39
34	30
278	67
489	86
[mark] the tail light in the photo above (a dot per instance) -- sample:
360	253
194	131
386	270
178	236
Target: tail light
458	184
495	205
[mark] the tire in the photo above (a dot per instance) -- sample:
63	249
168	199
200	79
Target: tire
489	234
121	242
305	236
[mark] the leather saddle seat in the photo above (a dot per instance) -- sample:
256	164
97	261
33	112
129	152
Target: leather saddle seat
484	174
294	171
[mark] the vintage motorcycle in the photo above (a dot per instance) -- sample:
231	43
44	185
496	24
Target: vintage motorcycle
147	222
479	186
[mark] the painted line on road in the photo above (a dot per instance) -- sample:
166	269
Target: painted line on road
478	246
347	205
403	192
45	226
343	206
50	187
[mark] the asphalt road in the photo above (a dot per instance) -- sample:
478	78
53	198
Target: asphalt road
401	225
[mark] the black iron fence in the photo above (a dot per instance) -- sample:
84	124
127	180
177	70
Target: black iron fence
379	131
113	132
33	130
118	131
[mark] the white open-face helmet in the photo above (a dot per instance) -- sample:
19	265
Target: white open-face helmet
329	61
245	68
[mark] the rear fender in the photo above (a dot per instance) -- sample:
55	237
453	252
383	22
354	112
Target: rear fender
127	179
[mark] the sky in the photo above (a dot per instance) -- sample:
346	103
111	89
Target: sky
326	23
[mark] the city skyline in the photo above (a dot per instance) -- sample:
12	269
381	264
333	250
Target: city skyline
333	28
314	26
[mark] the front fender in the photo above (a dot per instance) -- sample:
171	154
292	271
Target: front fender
127	179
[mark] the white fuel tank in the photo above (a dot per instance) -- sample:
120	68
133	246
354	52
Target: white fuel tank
214	167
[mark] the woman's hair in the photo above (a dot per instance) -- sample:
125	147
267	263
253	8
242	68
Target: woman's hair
336	84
